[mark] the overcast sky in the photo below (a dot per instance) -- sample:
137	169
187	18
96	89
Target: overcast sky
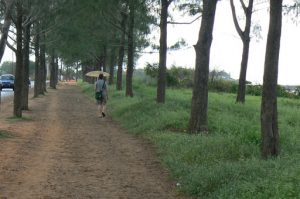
226	48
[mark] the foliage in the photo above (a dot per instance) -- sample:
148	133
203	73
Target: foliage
255	90
219	74
193	7
78	39
176	76
297	91
178	45
221	85
220	81
292	9
9	67
180	77
151	70
226	163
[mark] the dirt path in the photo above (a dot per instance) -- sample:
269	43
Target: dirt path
63	150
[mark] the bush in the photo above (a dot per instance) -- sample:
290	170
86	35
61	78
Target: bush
220	85
255	90
180	77
175	77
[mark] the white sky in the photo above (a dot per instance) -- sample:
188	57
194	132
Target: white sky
226	48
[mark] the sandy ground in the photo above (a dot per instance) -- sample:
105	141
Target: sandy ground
63	150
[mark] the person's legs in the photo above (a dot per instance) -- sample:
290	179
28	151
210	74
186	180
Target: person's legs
99	107
103	103
103	110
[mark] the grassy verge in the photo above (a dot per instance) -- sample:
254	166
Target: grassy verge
224	164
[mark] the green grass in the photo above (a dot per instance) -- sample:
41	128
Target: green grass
4	134
226	163
18	119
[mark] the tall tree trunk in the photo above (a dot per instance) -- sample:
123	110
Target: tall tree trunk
198	120
67	73
121	52
56	70
37	75
77	68
243	72
161	81
104	58
84	71
61	71
19	74
26	66
245	37
5	27
130	62
43	61
112	65
269	123
52	70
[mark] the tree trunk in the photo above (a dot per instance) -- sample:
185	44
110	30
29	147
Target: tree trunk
112	65
5	27
161	80
19	74
56	70
43	61
77	69
52	70
121	52
84	71
269	123
130	63
104	58
37	75
245	37
61	70
243	72
198	120
26	61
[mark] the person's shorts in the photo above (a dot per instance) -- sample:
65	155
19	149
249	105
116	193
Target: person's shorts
102	101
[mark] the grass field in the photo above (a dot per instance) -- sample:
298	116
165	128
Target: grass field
226	163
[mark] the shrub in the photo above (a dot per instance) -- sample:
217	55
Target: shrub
255	90
221	85
175	77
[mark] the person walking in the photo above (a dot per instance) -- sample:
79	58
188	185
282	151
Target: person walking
101	95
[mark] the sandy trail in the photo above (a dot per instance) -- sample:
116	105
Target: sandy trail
62	150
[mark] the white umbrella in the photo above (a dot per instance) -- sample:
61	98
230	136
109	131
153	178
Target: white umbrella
96	73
